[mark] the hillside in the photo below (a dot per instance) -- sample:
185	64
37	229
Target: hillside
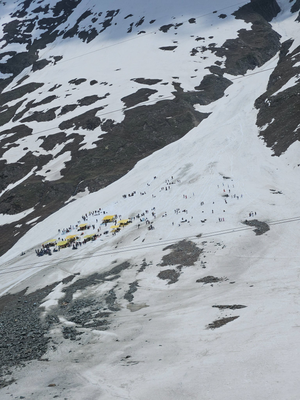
182	120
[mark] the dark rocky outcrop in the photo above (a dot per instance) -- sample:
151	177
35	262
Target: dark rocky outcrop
212	88
254	46
145	81
268	9
41	116
278	116
296	7
138	97
87	120
18	92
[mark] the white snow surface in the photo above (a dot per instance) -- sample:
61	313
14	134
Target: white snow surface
9	218
159	345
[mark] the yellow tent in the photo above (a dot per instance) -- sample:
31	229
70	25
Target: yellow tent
108	218
63	243
82	227
89	236
123	222
114	226
50	241
70	237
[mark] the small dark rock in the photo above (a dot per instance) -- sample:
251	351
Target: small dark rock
210	279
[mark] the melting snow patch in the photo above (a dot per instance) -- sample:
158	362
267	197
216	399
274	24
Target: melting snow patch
52	170
297	128
32	221
90	138
8	219
264	127
52	299
5	76
292	82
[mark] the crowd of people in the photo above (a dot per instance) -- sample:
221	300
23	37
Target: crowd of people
75	235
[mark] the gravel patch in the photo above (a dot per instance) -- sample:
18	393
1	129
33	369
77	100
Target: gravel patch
22	332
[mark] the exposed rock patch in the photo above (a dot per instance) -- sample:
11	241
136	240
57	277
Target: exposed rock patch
77	81
296	6
87	120
253	47
12	135
49	142
138	97
19	92
92	280
87	311
268	9
69	332
144	81
212	88
230	307
168	48
171	275
41	116
22	333
261	227
40	64
185	253
7	113
209	279
165	28
220	322
88	100
279	128
11	172
133	287
68	108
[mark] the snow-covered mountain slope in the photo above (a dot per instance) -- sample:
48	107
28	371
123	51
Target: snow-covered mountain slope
89	89
181	117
